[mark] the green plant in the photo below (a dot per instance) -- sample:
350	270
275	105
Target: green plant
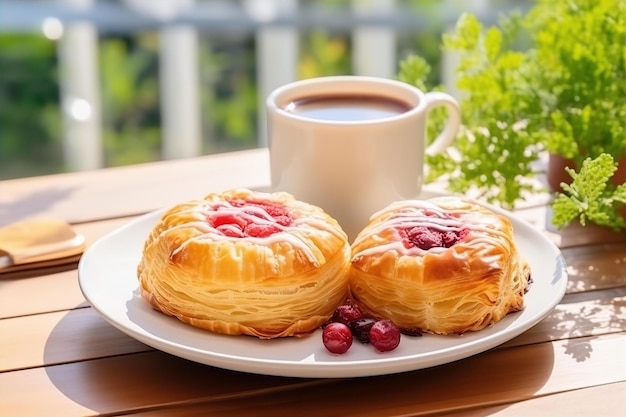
553	80
588	196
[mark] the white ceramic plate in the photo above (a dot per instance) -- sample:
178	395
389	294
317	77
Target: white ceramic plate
107	277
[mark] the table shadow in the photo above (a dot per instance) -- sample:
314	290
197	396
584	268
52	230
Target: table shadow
32	204
92	382
471	382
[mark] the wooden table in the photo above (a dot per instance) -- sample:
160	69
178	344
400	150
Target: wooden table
58	357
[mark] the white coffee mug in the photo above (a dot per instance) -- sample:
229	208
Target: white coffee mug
353	144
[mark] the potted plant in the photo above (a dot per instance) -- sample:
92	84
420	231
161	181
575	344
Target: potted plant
552	80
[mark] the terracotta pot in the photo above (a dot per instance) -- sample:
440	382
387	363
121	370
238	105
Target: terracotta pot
556	171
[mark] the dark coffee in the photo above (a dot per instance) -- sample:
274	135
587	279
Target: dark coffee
347	108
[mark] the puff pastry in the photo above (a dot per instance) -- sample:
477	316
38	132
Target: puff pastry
243	262
442	266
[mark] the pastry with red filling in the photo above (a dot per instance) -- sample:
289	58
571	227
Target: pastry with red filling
443	266
244	262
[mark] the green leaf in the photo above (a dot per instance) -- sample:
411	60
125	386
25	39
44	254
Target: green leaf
493	42
414	70
590	195
466	34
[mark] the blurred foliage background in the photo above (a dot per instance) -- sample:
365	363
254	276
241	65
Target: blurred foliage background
30	121
30	118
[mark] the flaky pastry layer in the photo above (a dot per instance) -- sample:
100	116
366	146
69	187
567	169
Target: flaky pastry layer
467	286
287	283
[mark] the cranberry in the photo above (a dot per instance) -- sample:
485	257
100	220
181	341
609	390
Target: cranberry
422	237
449	238
361	329
348	322
384	335
347	312
337	338
425	238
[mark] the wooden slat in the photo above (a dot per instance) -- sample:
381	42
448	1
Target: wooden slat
60	337
580	319
42	294
124	383
486	381
124	191
602	401
131	190
592	267
48	339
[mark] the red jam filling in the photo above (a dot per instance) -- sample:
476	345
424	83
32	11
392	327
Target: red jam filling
425	237
245	225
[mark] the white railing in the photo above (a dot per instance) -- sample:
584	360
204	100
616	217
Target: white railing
277	23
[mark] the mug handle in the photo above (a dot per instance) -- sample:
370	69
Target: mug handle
445	138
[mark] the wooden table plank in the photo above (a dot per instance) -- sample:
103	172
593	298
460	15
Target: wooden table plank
124	383
592	267
61	337
601	315
42	294
136	189
130	190
81	334
486	381
600	401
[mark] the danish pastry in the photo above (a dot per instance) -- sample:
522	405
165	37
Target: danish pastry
244	262
443	266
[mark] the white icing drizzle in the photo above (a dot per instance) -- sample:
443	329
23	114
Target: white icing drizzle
294	234
413	213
